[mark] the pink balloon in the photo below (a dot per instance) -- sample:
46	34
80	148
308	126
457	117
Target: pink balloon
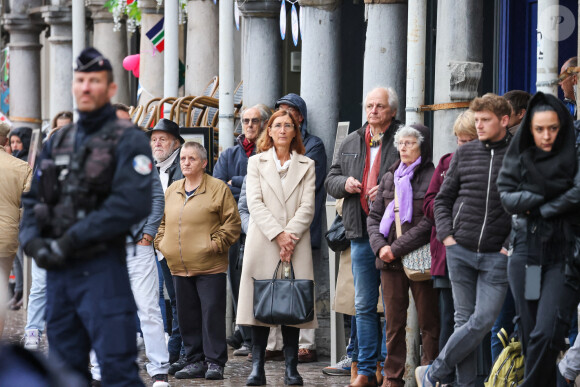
136	72
131	62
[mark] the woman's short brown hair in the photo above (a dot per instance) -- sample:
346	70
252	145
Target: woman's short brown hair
265	141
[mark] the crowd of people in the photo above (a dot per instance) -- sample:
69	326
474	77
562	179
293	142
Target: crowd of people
114	216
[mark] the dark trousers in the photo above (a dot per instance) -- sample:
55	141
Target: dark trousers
505	320
290	336
395	286
446	313
174	345
89	303
543	324
235	255
201	311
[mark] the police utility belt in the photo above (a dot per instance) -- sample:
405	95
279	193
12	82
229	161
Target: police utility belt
73	184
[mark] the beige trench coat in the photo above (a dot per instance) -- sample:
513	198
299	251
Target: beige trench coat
275	208
15	177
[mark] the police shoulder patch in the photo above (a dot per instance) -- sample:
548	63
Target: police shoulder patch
142	164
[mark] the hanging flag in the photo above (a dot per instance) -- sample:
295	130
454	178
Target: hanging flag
301	23
129	2
294	19
283	20
237	15
157	35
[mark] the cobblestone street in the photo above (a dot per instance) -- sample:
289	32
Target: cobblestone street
236	371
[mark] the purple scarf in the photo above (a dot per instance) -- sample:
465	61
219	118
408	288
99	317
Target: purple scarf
403	176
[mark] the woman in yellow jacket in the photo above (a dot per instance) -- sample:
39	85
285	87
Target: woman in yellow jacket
200	223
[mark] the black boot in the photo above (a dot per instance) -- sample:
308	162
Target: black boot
259	342
291	375
258	375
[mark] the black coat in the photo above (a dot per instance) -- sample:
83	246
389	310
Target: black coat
468	207
351	162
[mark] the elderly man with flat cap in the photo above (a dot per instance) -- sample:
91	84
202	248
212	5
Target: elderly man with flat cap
166	141
93	183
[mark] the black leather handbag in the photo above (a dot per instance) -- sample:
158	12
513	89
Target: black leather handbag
284	301
336	236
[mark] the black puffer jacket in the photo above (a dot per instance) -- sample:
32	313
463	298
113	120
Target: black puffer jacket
351	162
468	206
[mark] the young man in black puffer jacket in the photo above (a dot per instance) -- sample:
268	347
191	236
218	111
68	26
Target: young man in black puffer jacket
473	226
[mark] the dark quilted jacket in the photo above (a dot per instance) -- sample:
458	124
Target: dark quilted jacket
468	206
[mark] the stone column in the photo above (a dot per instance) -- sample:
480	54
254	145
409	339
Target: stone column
261	52
60	40
113	45
151	65
202	45
320	90
385	61
24	68
458	65
321	68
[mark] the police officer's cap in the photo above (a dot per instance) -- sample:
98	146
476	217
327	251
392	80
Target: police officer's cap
90	60
165	125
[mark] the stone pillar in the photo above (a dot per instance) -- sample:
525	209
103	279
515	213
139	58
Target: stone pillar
458	65
385	61
60	41
113	45
321	50
202	45
261	52
151	65
24	68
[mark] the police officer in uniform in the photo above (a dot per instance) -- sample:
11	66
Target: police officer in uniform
93	182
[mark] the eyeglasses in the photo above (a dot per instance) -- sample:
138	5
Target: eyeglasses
406	144
254	121
286	126
288	109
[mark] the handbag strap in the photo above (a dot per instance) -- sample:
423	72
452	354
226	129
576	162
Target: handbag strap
278	266
397	217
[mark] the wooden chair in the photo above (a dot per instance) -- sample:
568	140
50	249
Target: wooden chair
136	114
160	105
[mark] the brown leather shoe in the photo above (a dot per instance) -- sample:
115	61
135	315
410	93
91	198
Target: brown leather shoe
364	381
353	371
270	356
378	374
307	355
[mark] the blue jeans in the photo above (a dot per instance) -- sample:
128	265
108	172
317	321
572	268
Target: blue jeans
37	299
479	283
366	294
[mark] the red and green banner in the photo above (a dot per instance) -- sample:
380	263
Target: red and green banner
157	35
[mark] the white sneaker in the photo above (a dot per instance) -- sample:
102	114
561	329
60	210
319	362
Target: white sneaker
422	378
32	339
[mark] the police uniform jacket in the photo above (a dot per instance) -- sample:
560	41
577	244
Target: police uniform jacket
129	200
197	231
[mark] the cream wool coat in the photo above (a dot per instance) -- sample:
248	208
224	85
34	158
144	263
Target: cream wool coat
275	208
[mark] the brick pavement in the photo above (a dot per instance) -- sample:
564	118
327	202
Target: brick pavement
236	371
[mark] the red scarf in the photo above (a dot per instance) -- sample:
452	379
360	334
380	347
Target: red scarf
370	175
248	147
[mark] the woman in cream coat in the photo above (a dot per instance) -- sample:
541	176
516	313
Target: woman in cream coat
280	194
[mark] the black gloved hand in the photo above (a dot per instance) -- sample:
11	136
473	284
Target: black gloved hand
39	249
62	247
